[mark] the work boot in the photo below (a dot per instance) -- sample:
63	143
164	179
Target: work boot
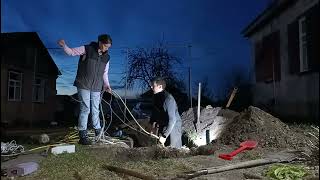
84	140
97	132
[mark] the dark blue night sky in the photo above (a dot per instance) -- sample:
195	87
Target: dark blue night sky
212	27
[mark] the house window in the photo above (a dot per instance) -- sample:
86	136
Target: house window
304	64
267	58
38	92
14	86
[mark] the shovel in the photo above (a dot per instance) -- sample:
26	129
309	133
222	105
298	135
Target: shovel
246	145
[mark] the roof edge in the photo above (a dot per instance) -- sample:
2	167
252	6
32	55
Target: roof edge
272	11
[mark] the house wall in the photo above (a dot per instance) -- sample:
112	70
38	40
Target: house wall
294	95
26	112
3	92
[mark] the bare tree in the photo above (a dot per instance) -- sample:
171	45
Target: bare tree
145	64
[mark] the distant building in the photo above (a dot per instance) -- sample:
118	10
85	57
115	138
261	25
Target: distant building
286	54
28	80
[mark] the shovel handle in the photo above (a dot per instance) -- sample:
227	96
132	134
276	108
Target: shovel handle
235	152
234	91
225	156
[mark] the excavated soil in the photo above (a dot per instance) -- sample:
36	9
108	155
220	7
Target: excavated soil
267	130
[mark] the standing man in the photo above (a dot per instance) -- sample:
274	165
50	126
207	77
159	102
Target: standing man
165	114
91	78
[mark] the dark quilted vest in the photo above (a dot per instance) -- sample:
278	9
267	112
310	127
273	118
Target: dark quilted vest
91	67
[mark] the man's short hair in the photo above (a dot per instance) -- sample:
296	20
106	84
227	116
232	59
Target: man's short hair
160	81
105	39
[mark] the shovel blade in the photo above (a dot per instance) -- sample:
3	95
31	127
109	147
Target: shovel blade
249	144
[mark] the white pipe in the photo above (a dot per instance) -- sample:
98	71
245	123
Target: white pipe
199	97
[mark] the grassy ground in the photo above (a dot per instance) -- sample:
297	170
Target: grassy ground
86	164
70	166
89	163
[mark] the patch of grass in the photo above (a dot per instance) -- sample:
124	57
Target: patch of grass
286	172
77	165
87	164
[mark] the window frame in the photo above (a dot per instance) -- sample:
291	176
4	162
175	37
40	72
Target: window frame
15	85
41	87
304	63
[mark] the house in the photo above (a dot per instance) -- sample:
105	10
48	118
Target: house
286	54
28	81
67	110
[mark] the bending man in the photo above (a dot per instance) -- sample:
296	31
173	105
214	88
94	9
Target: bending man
165	114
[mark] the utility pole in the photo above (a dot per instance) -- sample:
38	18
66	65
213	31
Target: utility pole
189	70
190	89
188	46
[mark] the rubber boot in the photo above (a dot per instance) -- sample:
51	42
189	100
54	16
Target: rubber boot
84	140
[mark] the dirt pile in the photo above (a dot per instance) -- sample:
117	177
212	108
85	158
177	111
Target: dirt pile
267	130
212	120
